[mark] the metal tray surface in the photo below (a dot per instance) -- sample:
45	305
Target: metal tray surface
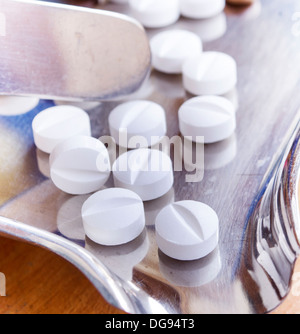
250	180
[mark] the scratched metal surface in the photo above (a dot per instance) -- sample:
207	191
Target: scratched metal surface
61	52
250	180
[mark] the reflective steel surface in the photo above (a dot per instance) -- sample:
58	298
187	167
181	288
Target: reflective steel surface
68	52
251	180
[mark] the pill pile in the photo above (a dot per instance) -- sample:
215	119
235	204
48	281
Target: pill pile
81	165
159	14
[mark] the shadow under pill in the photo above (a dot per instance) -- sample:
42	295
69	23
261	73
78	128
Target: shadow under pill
209	29
152	208
123	258
190	273
69	218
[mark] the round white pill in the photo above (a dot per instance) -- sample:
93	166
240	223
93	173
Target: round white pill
187	230
147	172
17	105
113	216
170	49
155	13
137	123
56	124
80	165
211	73
201	9
211	117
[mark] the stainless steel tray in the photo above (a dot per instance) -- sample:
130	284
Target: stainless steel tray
251	180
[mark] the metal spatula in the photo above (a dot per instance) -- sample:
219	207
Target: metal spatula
70	53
